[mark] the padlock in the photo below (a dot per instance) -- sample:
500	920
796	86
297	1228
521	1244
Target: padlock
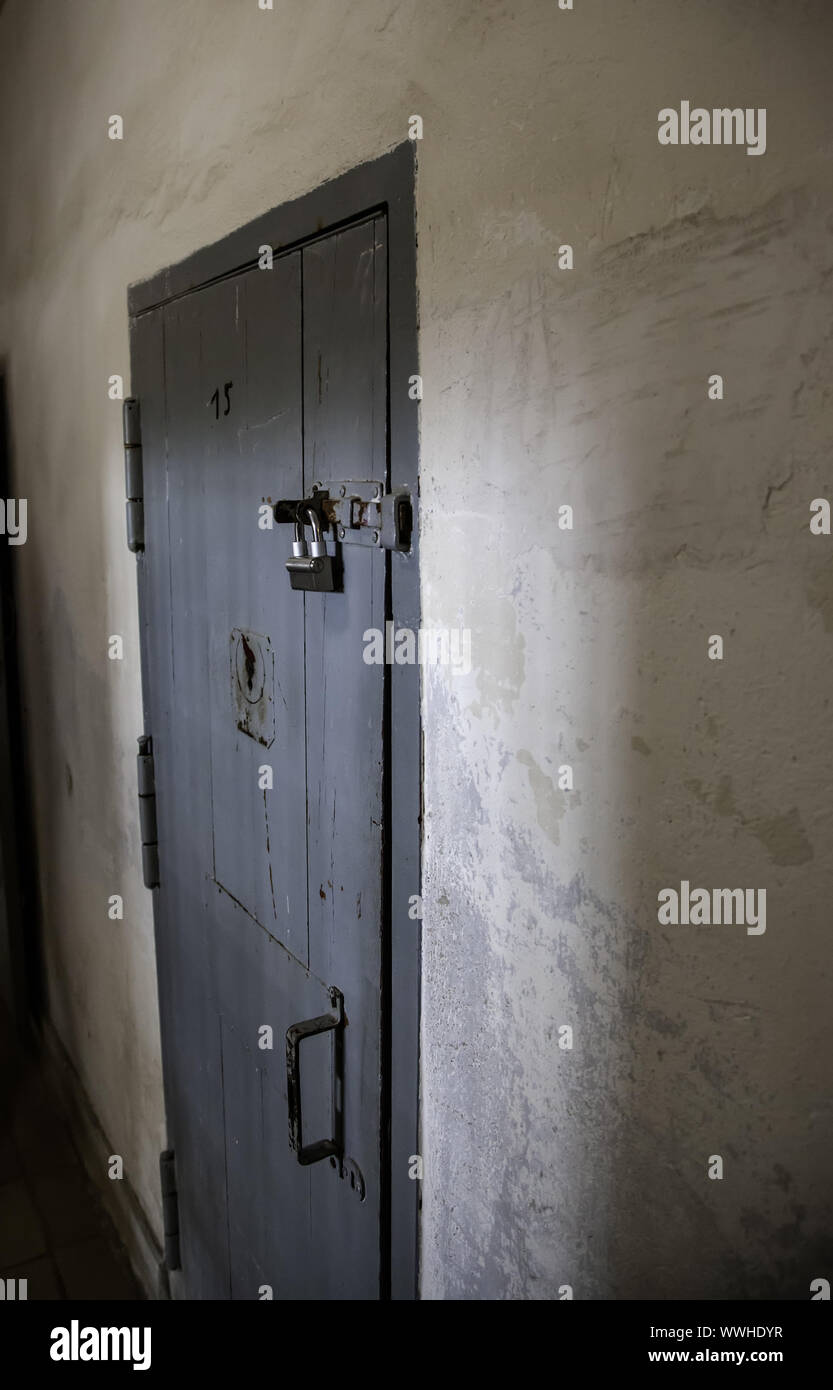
312	571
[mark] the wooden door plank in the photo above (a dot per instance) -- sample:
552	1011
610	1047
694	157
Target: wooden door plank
344	438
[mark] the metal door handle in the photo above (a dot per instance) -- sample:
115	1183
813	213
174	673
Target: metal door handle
322	1148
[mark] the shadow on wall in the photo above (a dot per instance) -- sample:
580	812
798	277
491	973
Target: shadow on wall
67	718
21	964
589	1169
705	1041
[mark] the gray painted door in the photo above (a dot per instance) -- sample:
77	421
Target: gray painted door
252	388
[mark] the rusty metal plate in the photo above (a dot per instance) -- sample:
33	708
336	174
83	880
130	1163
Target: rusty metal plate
253	684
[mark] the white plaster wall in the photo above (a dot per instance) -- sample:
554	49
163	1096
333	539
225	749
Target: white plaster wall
543	1167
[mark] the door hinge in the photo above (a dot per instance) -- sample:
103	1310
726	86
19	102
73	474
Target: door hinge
133	479
170	1208
147	812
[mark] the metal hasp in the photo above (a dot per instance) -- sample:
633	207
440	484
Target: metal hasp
357	513
170	1208
133	479
322	1148
147	812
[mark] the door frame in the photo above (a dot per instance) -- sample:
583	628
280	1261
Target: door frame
386	184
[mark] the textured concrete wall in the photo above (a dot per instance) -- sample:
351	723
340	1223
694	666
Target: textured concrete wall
544	1167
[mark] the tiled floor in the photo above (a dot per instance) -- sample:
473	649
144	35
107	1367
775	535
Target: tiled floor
54	1231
